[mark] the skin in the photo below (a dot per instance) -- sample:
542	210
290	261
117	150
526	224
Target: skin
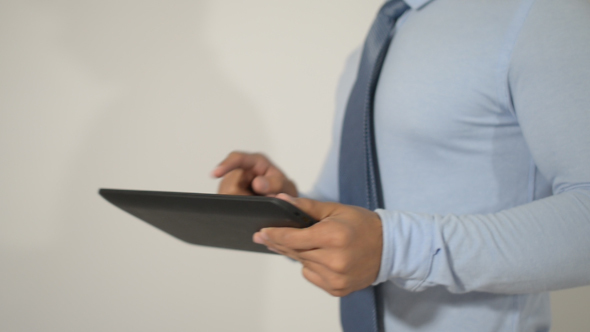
340	254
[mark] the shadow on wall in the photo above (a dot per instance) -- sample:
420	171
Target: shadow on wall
172	117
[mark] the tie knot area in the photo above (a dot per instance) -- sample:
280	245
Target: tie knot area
393	9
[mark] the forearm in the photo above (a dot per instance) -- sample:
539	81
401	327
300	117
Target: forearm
540	246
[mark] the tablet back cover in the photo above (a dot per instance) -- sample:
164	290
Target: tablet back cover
222	221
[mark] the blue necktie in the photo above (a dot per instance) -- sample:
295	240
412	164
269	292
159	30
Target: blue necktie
359	182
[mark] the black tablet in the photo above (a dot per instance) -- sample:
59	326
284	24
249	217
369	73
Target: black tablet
222	221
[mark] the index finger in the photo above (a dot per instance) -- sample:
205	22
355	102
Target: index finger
292	238
255	162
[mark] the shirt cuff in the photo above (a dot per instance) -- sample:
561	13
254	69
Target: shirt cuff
408	245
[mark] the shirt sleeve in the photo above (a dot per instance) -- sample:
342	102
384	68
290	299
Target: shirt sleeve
540	246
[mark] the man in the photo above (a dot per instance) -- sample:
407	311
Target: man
482	132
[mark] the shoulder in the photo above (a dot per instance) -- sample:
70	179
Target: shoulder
555	32
557	17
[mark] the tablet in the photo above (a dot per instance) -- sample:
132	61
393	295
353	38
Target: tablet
222	221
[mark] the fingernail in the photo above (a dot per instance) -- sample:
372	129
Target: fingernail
212	174
258	238
263	235
273	250
263	184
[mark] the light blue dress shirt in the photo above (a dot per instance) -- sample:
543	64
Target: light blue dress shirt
482	121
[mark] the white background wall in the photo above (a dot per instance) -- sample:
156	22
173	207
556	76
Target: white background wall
151	95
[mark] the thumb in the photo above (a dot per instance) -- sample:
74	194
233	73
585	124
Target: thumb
315	209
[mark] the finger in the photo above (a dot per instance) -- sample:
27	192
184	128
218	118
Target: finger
325	257
285	252
266	184
314	244
236	182
229	163
314	278
330	259
319	275
292	238
281	182
255	162
315	209
260	239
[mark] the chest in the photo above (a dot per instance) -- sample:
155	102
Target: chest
445	75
